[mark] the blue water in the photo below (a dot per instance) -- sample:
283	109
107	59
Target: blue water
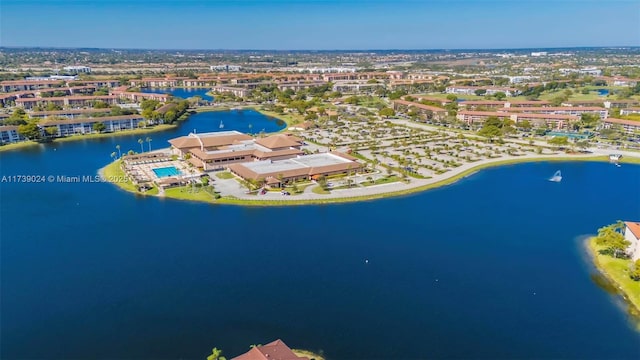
603	92
567	134
183	93
166	171
490	267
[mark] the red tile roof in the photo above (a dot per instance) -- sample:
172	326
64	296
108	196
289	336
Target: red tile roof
278	141
276	350
634	227
622	122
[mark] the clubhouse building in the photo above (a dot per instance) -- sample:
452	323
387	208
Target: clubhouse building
273	159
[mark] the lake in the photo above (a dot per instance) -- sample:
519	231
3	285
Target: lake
183	93
490	267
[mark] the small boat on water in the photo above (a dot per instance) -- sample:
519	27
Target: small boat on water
221	124
557	177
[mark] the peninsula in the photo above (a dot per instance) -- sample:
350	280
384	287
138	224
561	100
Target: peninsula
616	254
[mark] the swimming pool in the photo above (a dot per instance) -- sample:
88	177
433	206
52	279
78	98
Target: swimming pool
166	171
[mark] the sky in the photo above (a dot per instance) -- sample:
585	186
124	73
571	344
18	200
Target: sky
319	24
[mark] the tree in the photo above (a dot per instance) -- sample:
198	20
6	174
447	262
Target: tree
99	104
583	144
386	112
148	140
559	141
51	131
99	127
119	153
480	92
322	181
588	120
30	131
490	132
216	354
114	155
352	100
612	239
140	141
493	121
634	274
452	97
525	125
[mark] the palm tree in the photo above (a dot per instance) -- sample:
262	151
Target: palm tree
140	141
113	155
119	153
148	140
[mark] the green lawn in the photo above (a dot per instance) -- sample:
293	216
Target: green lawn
617	271
319	190
114	171
18	145
301	188
384	180
189	193
224	175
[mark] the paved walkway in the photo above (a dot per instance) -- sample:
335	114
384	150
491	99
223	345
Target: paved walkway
240	192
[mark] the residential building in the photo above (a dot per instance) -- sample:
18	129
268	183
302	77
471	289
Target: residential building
629	127
560	110
299	85
197	83
77	69
73	113
276	350
632	235
9	134
488	90
236	91
227	68
630	111
68	101
23	85
556	121
158	82
122	94
98	83
356	87
85	125
622	81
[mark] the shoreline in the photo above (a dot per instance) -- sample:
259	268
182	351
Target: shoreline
633	303
149	130
417	185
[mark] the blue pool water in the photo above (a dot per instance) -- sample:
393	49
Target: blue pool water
167	171
568	134
603	92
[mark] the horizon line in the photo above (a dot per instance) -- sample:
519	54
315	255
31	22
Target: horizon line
321	50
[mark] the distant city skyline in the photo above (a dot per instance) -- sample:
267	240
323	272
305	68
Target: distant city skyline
319	24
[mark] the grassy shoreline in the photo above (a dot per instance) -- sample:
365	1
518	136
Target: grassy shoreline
616	272
444	182
143	131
